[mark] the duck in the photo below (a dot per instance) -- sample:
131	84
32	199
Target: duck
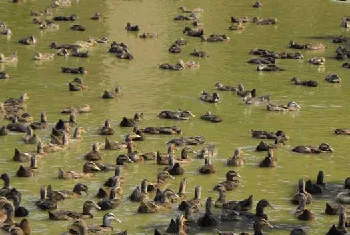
237	159
261	134
78	27
302	213
318	187
181	42
208	220
40	125
59	195
301	190
21	157
178	115
214	38
193	32
79	70
322	148
182	189
44	56
9	59
8	207
174	168
231	181
83	109
25	117
106	225
163	158
185	10
238	206
114	180
4	75
73	174
3	131
30	137
309	83
45	203
268	60
257	4
222	197
198	53
72	17
30	171
96	16
333	78
48	24
107	128
132	28
30	40
148	35
317	61
208	116
298	231
206	151
81	54
161	181
291	106
238	26
115	145
111	202
14	101
95	154
184	158
208	167
177	226
269	160
269	68
180	65
210	98
343	197
266	21
176	49
16	126
68	215
259	212
222	87
196	201
162	130
77	134
128	122
140	193
192	140
341	227
50	148
342	131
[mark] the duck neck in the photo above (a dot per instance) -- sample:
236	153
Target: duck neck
95	148
170	160
60	173
10	213
320	178
197	192
6	180
117	171
222	196
77	133
87	210
107	124
39	148
106	222
144	186
72	118
130	148
43	117
29	131
33	163
182	188
65	139
112	194
49	192
259	210
16	201
342	219
208	206
184	153
42	193
25	226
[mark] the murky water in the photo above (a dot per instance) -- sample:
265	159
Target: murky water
149	90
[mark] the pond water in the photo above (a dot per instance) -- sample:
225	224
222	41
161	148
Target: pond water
148	89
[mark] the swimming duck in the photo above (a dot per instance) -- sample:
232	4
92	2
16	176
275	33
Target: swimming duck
179	114
83	109
198	53
79	70
148	35
28	171
73	17
68	215
80	54
77	134
25	117
178	226
269	160
108	95
343	197
114	145
16	126
269	68
140	193
180	65
45	203
50	148
238	26
6	190
174	168
192	16
237	159
231	181
30	40
55	45
4	75
301	212
207	168
262	146
20	211
333	78
342	131
206	151
222	87
193	32
210	98
111	203
59	195
160	203
175	49
310	83
162	130
301	190
96	16
318	187
298	231
161	181
257	4
107	128
266	21
185	10
30	137
77	85
40	125
341	227
126	122
291	106
95	154
43	56
48	24
317	61
268	135
181	42
192	140
73	174
208	116
130	27
9	59
184	158
21	157
9	209
259	211
214	38
323	148
208	220
78	27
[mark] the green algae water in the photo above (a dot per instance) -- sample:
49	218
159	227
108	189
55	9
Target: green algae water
148	89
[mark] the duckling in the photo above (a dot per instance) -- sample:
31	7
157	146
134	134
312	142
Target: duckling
40	125
318	187
291	106
301	212
178	115
210	98
107	128
140	193
9	59
196	201
43	56
16	126
4	75
77	85
317	61
78	27
95	154
96	16
193	32
161	181
180	65
198	53
237	159
79	70
28	171
73	174
68	215
73	17
215	38
301	190
126	122
269	68
207	168
45	203
20	211
322	148
310	83
130	27
231	181
269	160
333	78
208	116
341	227
30	40
208	220
111	203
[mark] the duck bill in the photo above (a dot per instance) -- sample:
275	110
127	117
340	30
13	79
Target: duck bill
331	150
118	220
96	206
269	225
171	177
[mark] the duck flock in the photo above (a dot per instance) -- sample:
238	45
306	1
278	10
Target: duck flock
191	214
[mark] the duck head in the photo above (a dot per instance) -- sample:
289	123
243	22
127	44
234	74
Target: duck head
326	147
90	167
260	224
107	218
186	113
5	177
230	175
88	205
293	104
181	64
78	131
182	188
79	187
78	227
162	176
